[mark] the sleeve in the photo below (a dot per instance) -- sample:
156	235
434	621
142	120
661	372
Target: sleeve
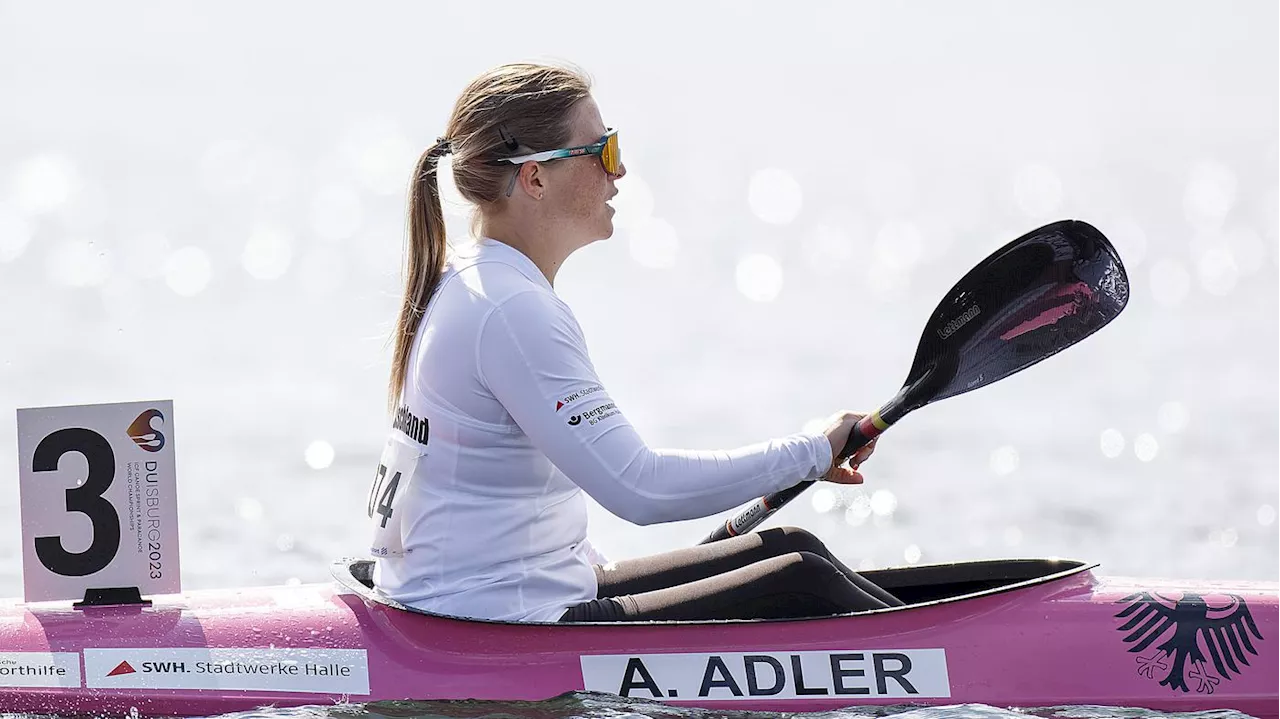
532	356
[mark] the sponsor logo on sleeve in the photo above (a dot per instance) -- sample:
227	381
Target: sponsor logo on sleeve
313	671
39	669
595	416
730	676
577	395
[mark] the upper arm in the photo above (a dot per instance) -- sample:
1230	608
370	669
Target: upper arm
533	358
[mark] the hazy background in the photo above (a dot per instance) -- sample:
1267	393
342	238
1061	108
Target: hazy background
204	202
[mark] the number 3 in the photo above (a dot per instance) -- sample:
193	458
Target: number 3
86	499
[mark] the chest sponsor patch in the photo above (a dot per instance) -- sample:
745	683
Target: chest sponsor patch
313	671
729	676
577	395
39	669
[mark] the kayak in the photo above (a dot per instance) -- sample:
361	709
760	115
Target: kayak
1031	632
1013	632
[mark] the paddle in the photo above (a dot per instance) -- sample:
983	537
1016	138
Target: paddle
1031	299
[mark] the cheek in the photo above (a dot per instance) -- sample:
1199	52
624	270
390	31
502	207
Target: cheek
589	192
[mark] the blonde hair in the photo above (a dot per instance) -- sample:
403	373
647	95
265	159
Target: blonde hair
510	110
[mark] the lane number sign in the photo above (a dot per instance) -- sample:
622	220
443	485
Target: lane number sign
98	499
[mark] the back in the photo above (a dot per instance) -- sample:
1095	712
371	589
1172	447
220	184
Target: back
486	526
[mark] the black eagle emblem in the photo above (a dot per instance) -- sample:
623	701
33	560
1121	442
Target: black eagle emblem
1188	626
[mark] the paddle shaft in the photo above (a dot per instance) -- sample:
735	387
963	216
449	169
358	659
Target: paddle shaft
866	429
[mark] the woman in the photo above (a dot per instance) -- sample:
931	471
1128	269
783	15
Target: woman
501	423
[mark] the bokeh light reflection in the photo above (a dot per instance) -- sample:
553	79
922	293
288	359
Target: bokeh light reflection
759	278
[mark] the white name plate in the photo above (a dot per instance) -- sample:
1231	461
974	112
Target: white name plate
729	676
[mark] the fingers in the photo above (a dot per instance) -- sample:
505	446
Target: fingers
845	417
846	472
845	475
863	453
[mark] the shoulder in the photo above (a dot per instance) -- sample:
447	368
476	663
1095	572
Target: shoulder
532	316
498	283
535	307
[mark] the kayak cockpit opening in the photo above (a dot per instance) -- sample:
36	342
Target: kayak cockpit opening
931	583
916	585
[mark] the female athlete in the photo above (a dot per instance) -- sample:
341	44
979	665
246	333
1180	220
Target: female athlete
501	423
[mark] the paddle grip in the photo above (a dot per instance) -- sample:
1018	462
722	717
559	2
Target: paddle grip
862	433
860	436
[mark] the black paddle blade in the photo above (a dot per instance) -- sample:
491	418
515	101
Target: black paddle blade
1031	299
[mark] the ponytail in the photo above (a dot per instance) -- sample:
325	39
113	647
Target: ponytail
424	259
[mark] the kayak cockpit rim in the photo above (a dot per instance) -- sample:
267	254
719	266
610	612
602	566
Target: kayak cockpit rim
918	586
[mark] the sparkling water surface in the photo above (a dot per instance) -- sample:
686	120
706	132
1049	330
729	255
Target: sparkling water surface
205	203
590	705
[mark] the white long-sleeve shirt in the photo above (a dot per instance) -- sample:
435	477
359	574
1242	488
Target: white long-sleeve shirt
478	508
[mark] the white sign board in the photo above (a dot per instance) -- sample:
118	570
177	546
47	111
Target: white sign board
99	501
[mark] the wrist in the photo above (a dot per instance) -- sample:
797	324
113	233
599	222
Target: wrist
824	454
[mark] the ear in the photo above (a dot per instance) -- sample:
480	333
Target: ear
533	181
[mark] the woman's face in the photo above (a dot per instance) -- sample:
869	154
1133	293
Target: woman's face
579	187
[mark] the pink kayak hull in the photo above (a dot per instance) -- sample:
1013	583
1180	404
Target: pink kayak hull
1055	640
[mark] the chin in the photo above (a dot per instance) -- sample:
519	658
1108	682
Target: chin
606	230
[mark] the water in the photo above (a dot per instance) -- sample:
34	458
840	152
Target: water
205	204
602	706
587	705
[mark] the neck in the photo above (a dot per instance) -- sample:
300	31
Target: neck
533	241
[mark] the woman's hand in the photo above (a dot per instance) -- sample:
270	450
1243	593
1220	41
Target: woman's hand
838	431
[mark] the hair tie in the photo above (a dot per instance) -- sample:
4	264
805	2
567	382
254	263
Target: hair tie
443	146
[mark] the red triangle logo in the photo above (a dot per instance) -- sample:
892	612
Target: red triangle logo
559	405
121	668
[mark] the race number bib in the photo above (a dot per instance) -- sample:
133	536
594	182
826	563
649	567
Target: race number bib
390	484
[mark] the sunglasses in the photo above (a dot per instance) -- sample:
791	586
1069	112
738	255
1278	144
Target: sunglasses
606	148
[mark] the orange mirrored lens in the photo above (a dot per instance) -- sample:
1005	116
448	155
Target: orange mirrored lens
610	155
